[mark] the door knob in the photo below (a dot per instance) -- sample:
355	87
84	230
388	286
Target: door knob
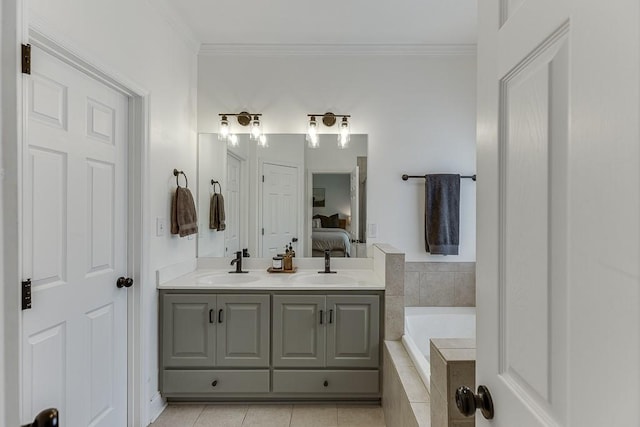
124	282
46	418
468	402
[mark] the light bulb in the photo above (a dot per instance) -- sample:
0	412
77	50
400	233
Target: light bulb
313	140
224	128
255	128
263	141
233	140
313	127
345	135
343	141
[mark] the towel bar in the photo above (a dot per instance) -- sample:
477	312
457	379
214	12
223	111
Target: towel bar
406	177
177	174
214	182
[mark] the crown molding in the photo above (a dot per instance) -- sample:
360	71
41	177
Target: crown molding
222	49
172	17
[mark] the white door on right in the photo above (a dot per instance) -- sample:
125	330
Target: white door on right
558	341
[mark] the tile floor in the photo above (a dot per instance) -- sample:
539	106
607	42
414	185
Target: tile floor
329	415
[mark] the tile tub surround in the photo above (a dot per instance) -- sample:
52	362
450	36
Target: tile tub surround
325	415
405	399
389	266
453	364
440	284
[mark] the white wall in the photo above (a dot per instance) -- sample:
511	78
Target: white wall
418	112
132	38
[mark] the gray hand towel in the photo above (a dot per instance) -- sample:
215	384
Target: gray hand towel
184	219
216	213
442	214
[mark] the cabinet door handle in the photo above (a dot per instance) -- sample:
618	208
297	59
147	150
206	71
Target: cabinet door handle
214	383
220	316
326	383
211	320
321	317
330	316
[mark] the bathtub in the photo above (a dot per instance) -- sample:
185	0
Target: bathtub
423	323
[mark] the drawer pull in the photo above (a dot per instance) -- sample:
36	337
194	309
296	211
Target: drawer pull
326	383
321	317
211	316
220	316
214	383
331	316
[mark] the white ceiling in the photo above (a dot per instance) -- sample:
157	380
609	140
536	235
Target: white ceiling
401	22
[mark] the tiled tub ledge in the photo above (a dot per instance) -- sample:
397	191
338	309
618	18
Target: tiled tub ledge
405	399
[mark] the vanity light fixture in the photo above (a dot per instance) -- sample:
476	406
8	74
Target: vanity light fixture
224	131
244	119
312	133
328	119
345	135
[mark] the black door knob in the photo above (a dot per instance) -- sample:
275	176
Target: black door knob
124	282
46	418
214	383
468	402
326	383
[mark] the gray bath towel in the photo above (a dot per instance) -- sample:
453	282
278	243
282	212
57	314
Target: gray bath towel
184	219
442	214
216	213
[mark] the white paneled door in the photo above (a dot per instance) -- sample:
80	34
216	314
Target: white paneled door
559	212
280	203
74	339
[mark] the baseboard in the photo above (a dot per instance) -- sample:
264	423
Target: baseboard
156	406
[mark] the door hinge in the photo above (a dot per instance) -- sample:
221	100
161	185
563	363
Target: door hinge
262	178
26	294
26	59
263	231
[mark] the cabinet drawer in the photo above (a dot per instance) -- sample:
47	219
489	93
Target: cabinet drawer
298	381
201	381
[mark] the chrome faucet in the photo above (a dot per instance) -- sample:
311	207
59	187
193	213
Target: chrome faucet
238	263
327	263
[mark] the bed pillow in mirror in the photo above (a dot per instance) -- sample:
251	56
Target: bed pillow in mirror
324	220
333	221
317	223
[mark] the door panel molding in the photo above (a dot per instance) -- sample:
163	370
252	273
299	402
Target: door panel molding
532	145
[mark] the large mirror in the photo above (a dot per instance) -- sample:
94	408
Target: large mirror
285	194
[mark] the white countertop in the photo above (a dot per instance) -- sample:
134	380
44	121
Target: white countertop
260	279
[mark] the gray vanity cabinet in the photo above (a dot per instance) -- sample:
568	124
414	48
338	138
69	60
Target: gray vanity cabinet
353	332
188	338
205	331
270	345
243	331
340	331
299	334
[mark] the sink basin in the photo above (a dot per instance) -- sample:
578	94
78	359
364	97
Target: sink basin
226	279
324	279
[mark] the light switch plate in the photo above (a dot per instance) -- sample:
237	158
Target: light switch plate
161	226
373	230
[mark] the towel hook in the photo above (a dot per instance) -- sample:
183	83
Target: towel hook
177	174
214	182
